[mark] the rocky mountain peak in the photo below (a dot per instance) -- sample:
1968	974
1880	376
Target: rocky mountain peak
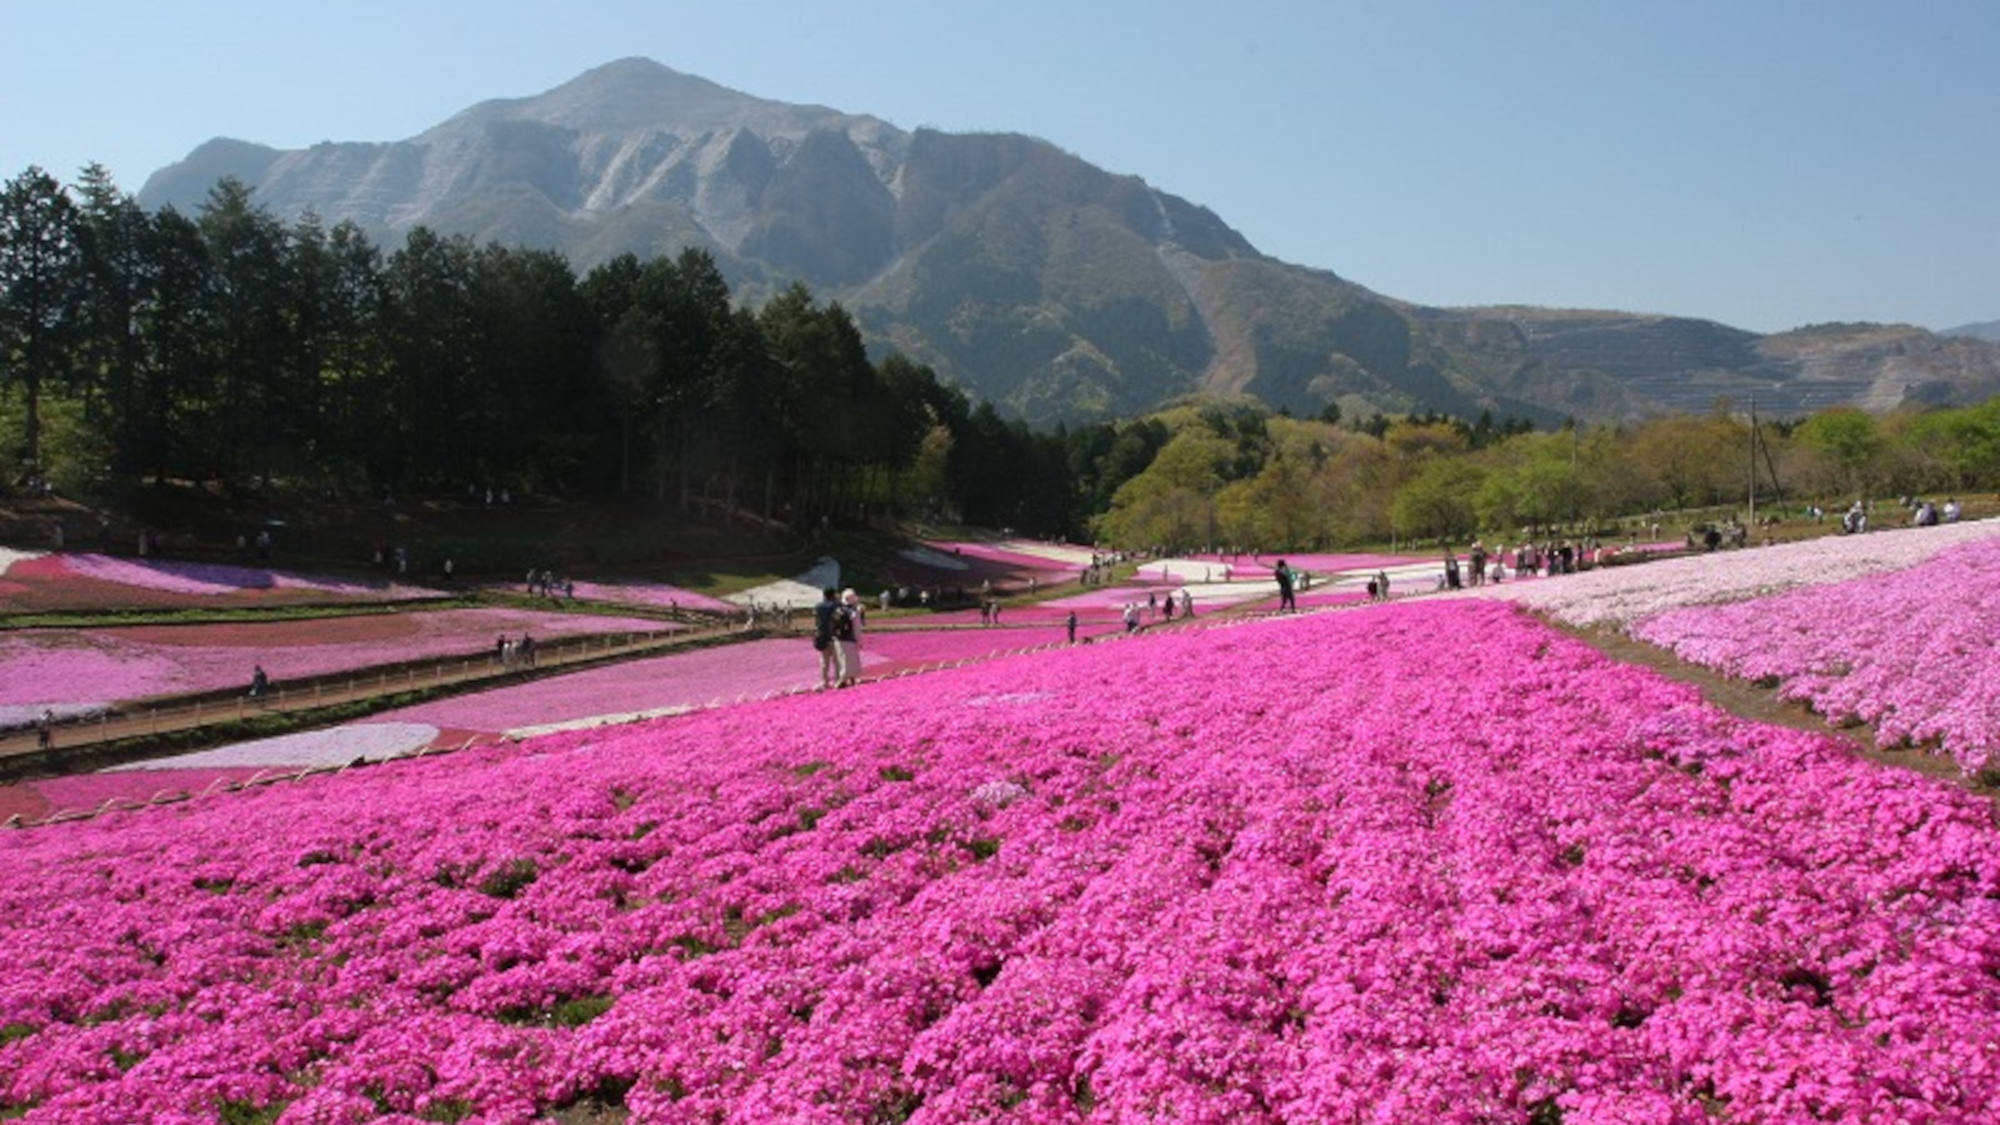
1030	276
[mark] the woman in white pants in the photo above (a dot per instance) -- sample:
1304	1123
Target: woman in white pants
847	637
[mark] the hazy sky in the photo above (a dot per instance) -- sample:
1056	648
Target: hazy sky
1764	164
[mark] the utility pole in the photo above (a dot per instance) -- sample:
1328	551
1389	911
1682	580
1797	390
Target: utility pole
1753	463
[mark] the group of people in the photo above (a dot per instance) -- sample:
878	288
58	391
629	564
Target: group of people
837	621
544	583
1926	514
1290	582
511	653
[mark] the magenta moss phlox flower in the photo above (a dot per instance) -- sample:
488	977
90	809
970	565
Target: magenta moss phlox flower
1431	862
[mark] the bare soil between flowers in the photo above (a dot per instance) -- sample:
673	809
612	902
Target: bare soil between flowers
1745	699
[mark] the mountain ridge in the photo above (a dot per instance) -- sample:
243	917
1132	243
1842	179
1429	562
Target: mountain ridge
1054	288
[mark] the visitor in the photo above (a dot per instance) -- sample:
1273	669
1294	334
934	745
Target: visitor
260	683
1283	574
829	657
1187	603
847	637
45	727
1951	511
1477	558
1070	624
1382	583
1452	580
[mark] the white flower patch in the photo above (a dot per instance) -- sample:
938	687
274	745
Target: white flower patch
802	592
1620	595
9	556
332	747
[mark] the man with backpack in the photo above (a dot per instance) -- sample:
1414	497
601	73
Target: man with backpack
829	657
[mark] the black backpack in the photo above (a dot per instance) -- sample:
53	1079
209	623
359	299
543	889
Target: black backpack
843	624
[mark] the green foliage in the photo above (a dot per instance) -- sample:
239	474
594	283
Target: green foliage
235	1112
1438	501
581	1010
510	878
1847	438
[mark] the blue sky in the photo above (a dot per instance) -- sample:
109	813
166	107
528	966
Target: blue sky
1766	164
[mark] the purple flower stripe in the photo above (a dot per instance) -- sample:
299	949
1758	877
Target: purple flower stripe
1284	871
181	577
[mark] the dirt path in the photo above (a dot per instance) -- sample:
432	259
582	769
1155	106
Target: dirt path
1760	704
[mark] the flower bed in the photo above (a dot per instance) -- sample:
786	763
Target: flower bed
1151	880
656	594
1211	596
1010	558
1244	568
1911	652
89	668
664	683
36	800
90	581
1620	595
897	651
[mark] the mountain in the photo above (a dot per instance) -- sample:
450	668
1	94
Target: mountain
1036	280
1985	330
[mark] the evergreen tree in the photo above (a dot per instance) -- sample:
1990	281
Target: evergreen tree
41	271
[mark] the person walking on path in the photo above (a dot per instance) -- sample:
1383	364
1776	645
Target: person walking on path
1071	626
1286	600
829	657
260	684
45	727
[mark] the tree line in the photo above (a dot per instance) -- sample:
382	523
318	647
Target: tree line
231	349
1237	475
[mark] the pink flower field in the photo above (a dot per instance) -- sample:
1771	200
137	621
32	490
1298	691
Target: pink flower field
1058	561
884	651
90	581
1280	871
1911	652
666	683
1620	595
658	595
85	669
